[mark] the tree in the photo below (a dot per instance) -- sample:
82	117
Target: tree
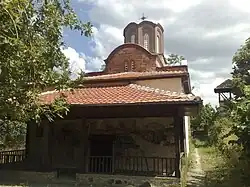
31	58
174	59
241	69
204	119
241	83
241	106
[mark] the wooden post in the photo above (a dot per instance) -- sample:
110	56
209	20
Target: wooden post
45	145
27	140
85	145
177	125
113	157
182	134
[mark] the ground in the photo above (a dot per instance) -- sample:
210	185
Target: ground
195	175
209	168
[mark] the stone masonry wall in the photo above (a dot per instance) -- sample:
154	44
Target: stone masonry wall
120	180
26	176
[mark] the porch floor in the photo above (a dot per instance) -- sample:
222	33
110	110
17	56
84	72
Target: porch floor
36	179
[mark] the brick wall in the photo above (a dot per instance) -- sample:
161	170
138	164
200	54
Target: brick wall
128	53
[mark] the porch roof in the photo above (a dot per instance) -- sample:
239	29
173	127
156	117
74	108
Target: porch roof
119	95
225	86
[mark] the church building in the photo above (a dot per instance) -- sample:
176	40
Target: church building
127	123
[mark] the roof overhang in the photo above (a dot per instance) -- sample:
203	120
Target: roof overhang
222	90
134	110
132	78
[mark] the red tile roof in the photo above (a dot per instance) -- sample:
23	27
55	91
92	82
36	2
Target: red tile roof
173	69
129	94
136	75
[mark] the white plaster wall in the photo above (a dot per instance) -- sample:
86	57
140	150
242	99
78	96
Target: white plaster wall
142	125
168	84
187	129
152	150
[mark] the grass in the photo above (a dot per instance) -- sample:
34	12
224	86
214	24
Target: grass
218	170
187	164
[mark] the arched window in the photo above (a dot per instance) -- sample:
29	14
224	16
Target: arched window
145	41
157	44
133	38
125	66
132	65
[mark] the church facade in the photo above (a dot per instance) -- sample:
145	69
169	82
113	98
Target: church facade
131	119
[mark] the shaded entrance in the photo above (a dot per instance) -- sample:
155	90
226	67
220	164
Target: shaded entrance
101	152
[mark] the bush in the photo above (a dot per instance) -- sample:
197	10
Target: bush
221	136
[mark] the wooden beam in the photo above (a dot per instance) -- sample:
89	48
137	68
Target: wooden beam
77	112
45	146
113	156
85	145
50	144
224	97
27	140
177	125
182	134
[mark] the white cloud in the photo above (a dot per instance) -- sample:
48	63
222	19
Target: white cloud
206	90
206	33
77	61
243	5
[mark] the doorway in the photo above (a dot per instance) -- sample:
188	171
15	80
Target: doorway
101	152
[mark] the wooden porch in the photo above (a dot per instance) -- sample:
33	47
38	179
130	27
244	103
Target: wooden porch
119	165
66	146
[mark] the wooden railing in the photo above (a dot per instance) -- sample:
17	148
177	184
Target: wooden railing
133	165
100	164
13	156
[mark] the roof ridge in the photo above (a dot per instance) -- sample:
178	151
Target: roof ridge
155	72
160	91
80	87
48	92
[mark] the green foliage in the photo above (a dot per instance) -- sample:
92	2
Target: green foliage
241	69
241	105
12	134
174	59
31	58
204	119
241	116
230	131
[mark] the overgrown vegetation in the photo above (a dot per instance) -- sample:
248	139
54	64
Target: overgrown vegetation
186	164
31	60
228	127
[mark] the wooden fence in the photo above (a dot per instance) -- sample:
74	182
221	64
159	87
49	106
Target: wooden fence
7	157
133	165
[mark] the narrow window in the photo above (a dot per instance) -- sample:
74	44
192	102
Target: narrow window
146	41
157	44
133	38
132	65
125	66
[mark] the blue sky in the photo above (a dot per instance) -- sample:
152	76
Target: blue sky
73	38
206	32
